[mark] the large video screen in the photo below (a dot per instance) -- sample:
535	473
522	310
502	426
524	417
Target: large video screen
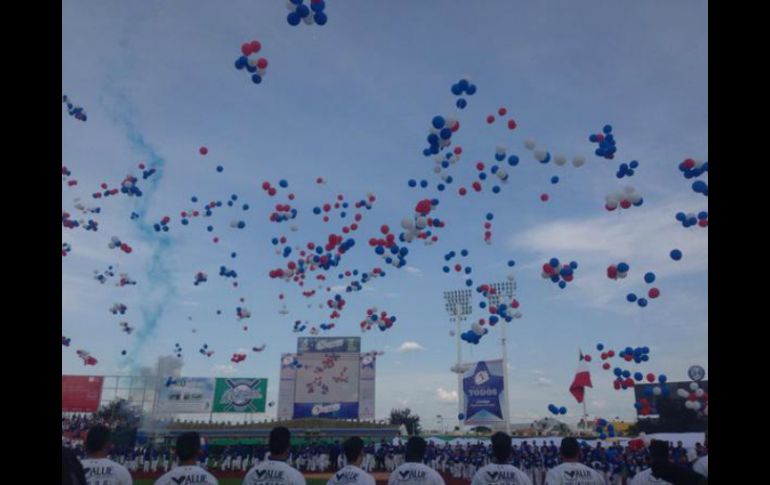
327	377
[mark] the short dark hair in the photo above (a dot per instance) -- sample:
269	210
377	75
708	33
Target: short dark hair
353	448
188	445
280	440
501	446
415	448
97	439
659	451
569	448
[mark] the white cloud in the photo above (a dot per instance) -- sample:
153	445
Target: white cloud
410	347
413	270
446	396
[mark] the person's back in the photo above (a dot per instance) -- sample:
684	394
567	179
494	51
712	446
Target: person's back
352	474
571	471
71	468
413	471
188	448
662	469
500	472
274	469
98	469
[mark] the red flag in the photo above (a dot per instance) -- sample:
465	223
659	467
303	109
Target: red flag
581	381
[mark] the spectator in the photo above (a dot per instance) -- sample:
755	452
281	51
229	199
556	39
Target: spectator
501	470
188	447
352	474
571	470
275	469
98	469
414	472
663	471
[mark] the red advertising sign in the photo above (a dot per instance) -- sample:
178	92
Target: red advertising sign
80	394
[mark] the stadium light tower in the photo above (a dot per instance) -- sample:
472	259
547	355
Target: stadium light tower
458	305
507	289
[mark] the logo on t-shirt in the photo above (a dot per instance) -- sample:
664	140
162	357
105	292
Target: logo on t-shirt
502	476
190	479
345	477
577	474
98	471
411	475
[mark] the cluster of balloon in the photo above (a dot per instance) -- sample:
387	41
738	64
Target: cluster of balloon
146	173
694	169
604	429
696	399
65	341
615	271
502	112
299	326
76	111
488	228
337	304
238	357
205	350
259	348
463	87
128	185
65	173
125	280
299	12
689	220
103	276
200	277
652	293
560	276
626	169
83	209
178	350
645	407
227	273
256	66
357	285
339	203
107	192
313	331
413	183
125	327
162	225
473	336
90	225
638	354
326	326
88	359
605	355
383	321
440	136
624	198
242	313
116	243
606	142
457	266
676	254
65	249
443	162
118	308
134	216
657	390
291	361
495	307
555	410
544	156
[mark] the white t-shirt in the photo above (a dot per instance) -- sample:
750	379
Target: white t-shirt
500	474
184	475
702	466
273	472
103	471
573	474
415	474
351	475
645	478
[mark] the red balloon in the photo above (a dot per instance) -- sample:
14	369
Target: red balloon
384	229
689	163
610	207
462	191
458	150
479	166
653	293
703	222
455	127
490	119
203	150
600	138
615	384
544	197
246	49
650	377
568	278
477	186
612	272
511	125
587	358
606	366
262	63
255	46
625	203
611	353
548	269
502	111
265	185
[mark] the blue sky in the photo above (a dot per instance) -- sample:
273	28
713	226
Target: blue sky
352	102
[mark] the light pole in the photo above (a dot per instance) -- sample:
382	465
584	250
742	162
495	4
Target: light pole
458	305
507	289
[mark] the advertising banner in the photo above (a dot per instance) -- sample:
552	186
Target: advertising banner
240	395
328	344
81	394
483	393
186	395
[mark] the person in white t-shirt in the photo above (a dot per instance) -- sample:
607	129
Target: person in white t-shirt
500	472
97	467
274	470
352	474
188	448
414	472
701	465
662	471
571	471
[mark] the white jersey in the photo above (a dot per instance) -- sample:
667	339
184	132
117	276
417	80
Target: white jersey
701	466
415	474
645	478
102	471
273	472
494	474
187	475
351	475
573	474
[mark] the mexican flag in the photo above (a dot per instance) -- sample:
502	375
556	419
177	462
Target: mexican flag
581	381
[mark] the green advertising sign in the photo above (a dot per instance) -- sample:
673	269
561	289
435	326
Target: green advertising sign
240	395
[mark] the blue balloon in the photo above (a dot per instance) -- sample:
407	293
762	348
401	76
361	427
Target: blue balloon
513	160
412	183
600	347
649	277
662	378
471	90
562	410
438	122
638	376
554	179
607	130
631	297
642	302
317	7
423	183
511	262
573	265
457	89
461	103
496	189
554	262
634	164
626	374
463	253
562	284
617	371
220	168
445	133
623	267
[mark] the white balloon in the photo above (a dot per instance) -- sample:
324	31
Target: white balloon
635	198
499	149
657	391
437	169
502	174
682	393
294	228
694	386
622	275
699	393
434	131
308	20
421	222
529	144
540	155
407	223
559	160
408	237
578	161
261	72
688	404
290	6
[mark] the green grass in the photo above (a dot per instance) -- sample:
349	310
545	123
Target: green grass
231	481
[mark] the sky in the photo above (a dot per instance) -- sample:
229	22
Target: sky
352	102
